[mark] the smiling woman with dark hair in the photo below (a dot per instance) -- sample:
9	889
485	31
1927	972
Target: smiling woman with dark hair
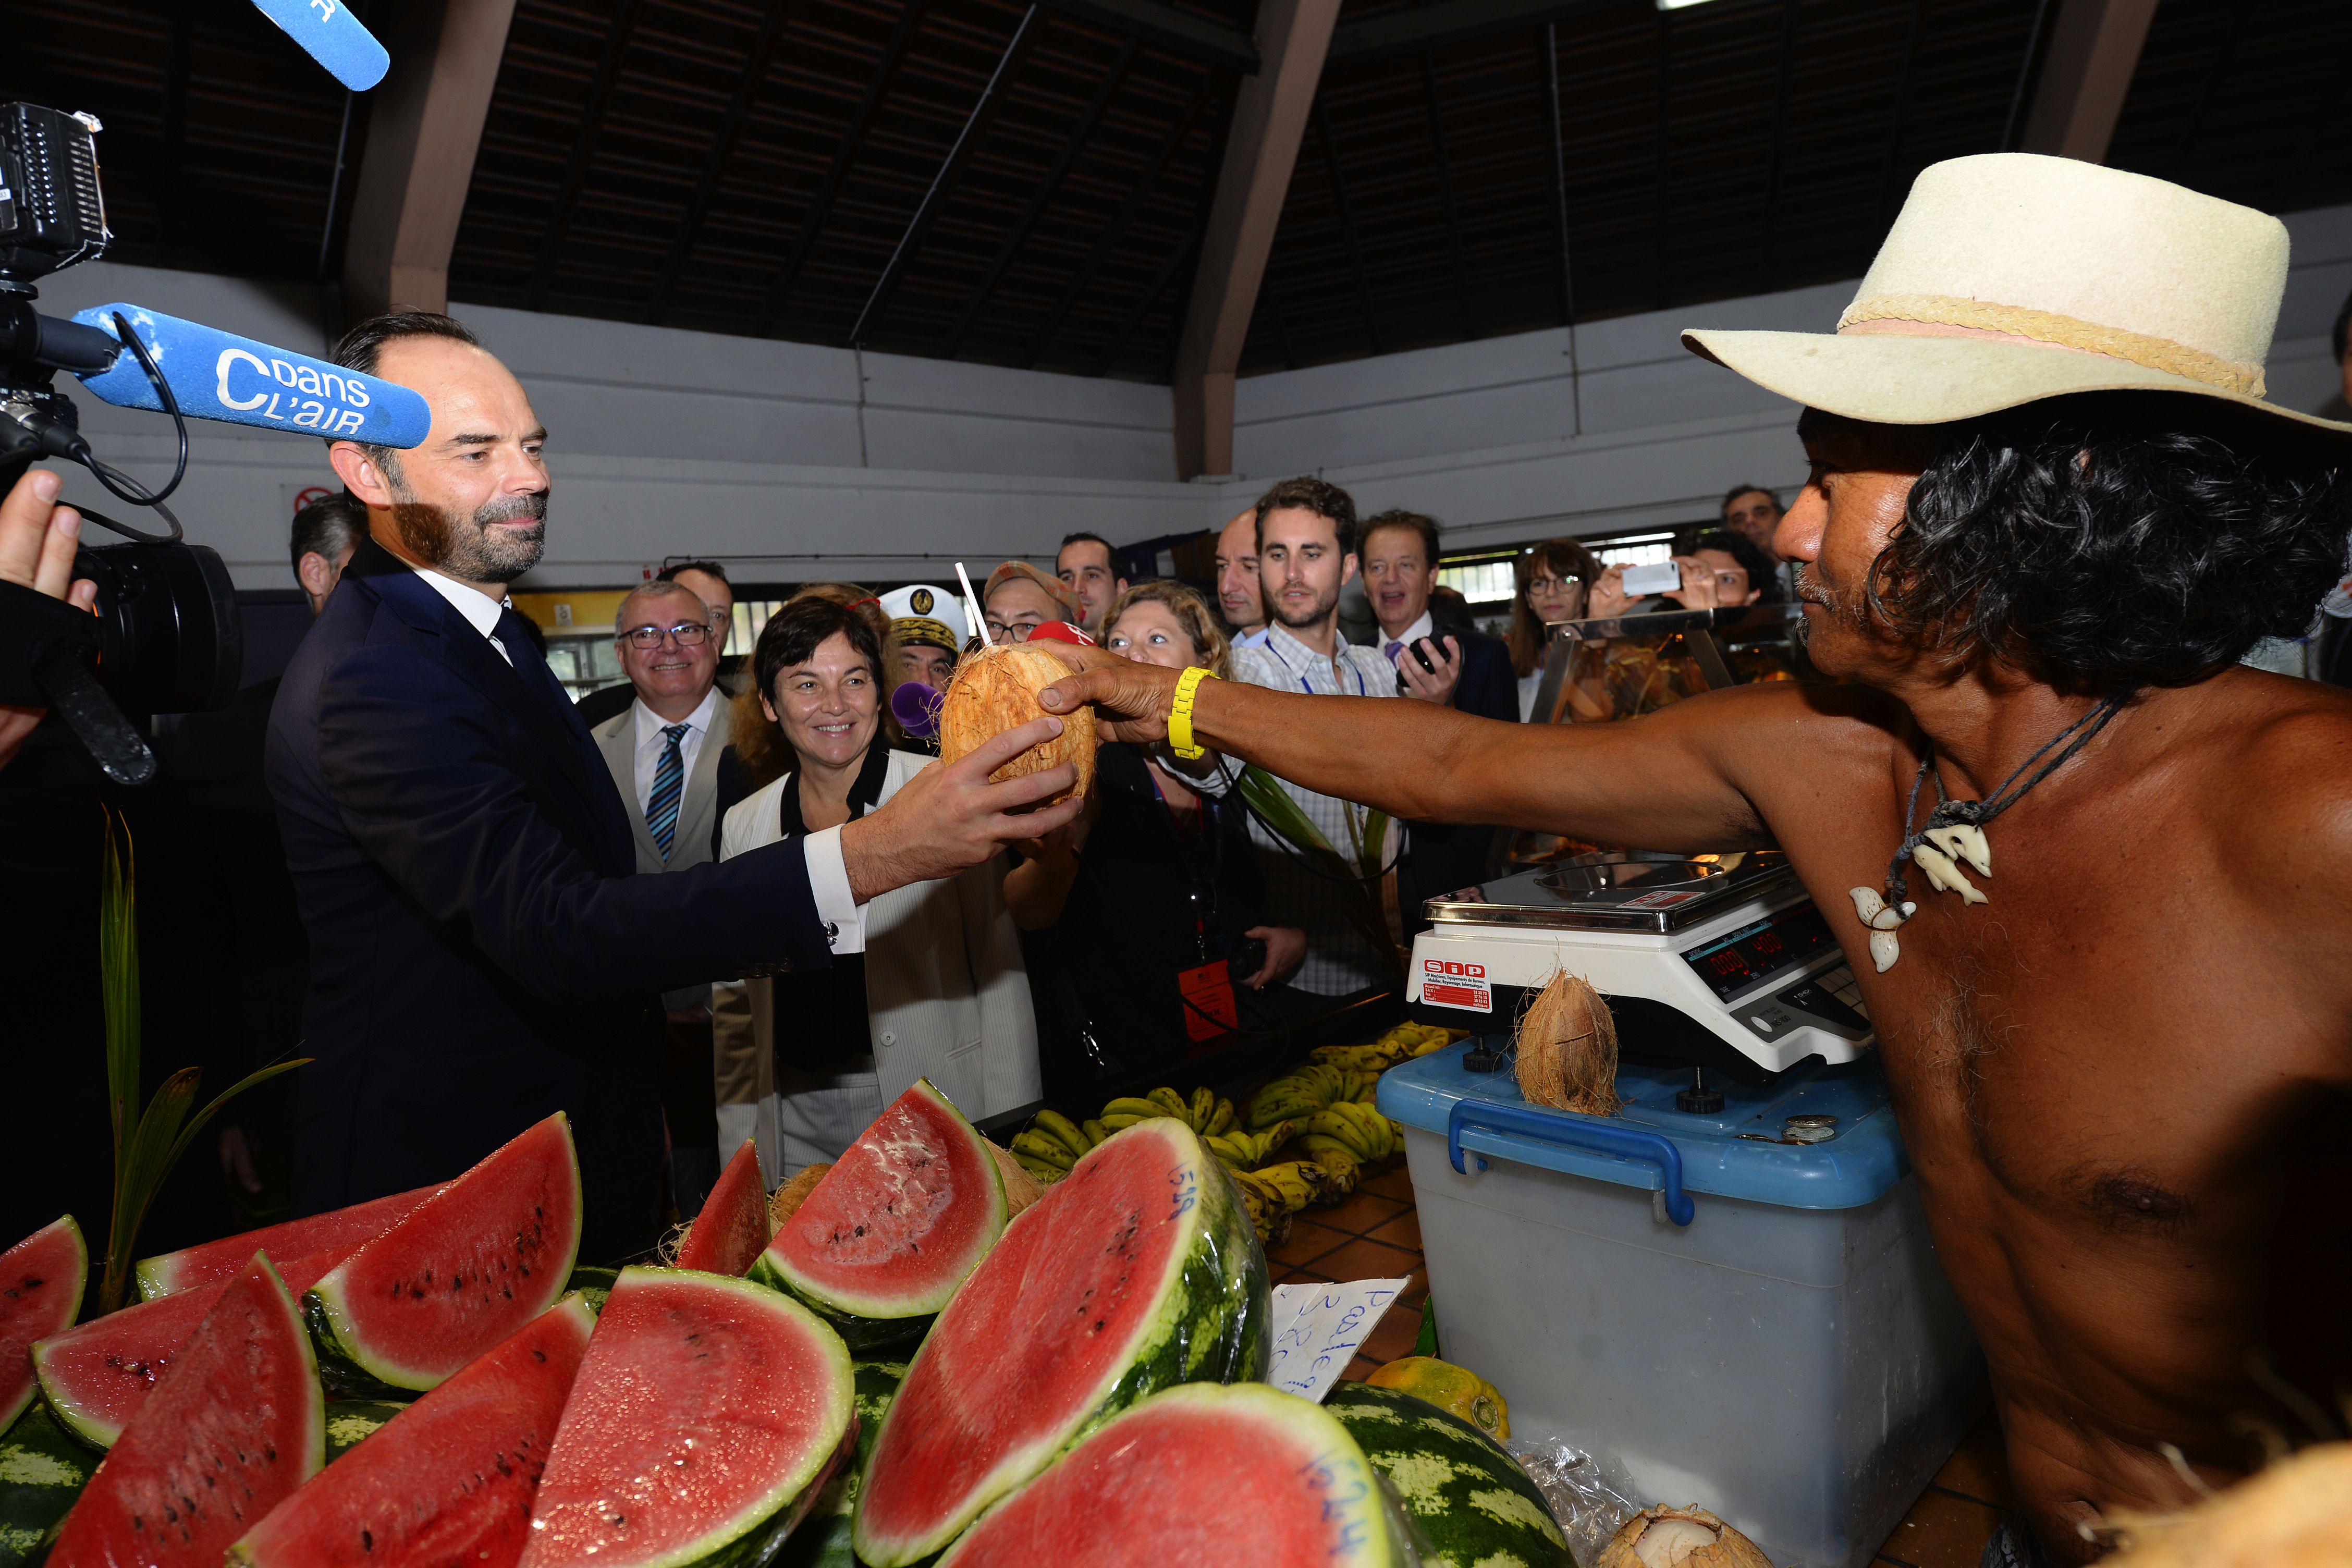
939	992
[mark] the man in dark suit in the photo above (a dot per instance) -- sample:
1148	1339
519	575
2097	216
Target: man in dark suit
1467	670
482	952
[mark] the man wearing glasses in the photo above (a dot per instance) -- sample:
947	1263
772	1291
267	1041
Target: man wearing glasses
1020	598
663	751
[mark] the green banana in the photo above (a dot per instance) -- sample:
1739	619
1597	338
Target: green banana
1039	1168
1116	1121
1333	1124
1202	1108
1038	1146
1056	1125
1131	1105
1336	1158
1095	1131
1231	1152
1170	1103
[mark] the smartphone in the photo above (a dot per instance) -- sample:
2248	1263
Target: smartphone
1664	577
1247	959
1420	648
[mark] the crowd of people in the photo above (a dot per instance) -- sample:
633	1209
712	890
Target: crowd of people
1169	911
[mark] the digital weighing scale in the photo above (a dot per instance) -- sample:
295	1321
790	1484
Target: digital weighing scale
1719	963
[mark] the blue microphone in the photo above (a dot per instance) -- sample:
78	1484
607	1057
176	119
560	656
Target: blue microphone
220	375
332	36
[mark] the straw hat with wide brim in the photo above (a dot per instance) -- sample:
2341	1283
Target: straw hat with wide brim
2009	278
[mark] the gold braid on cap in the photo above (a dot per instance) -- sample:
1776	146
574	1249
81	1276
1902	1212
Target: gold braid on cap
2064	331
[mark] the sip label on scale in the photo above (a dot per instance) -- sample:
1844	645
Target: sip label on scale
1450	983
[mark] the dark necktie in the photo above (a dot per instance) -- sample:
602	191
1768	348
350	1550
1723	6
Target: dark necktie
669	784
524	654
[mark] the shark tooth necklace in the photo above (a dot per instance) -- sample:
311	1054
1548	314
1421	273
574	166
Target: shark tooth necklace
1954	833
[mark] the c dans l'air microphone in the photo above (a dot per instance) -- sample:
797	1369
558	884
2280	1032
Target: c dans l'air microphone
220	375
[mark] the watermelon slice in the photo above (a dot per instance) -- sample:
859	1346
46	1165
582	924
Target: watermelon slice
895	1226
235	1425
40	1293
1138	1269
1187	1478
96	1375
338	1231
1471	1500
42	1470
731	1231
469	1266
708	1417
824	1540
448	1480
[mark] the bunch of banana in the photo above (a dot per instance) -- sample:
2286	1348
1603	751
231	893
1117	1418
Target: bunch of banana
1206	1112
1399	1044
1297	1183
1368	1134
1301	1092
1269	1217
1337	1158
1246	1151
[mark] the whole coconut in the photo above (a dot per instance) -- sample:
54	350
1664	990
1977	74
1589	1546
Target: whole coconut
1679	1538
2295	1514
996	689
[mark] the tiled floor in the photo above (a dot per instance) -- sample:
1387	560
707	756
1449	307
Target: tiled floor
1376	1235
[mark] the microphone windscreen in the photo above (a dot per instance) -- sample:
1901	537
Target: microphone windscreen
332	36
916	708
220	375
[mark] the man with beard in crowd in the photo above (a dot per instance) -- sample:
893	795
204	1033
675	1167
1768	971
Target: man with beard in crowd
481	953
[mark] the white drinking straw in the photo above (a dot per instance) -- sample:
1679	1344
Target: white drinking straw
972	599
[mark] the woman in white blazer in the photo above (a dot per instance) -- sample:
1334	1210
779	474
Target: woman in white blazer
940	991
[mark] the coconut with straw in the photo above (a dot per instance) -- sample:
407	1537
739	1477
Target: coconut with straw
1567	1049
996	689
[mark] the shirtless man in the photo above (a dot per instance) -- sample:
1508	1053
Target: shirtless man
2122	1080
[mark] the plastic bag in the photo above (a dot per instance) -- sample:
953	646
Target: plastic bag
1590	1504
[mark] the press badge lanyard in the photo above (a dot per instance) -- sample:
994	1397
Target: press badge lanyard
1361	689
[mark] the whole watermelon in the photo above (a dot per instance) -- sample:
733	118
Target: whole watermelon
1471	1498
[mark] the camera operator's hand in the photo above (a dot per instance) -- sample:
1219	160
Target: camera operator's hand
37	539
949	817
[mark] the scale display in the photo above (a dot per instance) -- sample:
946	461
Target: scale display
1755	955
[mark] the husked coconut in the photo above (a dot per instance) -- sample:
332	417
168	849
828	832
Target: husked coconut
2295	1514
787	1200
1691	1537
1567	1048
1020	1188
996	689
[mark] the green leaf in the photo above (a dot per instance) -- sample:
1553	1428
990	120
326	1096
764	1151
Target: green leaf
197	1124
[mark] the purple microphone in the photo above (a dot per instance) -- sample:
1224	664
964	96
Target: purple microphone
916	708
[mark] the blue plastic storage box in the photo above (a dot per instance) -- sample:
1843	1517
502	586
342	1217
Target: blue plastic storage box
1722	1316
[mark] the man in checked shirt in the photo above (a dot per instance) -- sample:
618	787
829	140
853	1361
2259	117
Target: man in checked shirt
1306	537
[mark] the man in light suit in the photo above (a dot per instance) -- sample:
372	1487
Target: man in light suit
662	750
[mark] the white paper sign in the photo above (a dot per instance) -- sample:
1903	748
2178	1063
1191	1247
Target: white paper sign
1317	1329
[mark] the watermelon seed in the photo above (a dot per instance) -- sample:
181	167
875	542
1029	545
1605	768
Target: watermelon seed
367	1540
536	1354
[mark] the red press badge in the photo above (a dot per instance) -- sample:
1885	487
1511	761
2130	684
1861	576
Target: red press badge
1208	992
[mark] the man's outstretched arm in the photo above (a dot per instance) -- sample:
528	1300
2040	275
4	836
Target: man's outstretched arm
1687	777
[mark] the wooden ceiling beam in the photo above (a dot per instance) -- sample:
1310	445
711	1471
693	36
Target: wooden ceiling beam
425	125
2095	48
1269	119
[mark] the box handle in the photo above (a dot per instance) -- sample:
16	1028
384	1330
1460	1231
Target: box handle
1574	1132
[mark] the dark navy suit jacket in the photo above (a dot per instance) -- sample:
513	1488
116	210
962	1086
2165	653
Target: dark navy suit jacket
481	953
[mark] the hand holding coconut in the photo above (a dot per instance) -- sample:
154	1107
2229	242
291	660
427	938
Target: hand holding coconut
952	815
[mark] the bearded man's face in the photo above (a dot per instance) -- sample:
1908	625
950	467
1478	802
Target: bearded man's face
498	541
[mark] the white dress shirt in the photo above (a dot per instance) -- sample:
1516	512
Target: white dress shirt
481	611
651	742
1425	627
843	916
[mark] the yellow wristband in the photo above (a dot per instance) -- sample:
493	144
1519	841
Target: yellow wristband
1180	715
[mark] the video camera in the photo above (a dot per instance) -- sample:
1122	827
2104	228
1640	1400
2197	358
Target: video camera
169	638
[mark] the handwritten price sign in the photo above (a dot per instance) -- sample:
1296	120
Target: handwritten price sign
1317	1328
